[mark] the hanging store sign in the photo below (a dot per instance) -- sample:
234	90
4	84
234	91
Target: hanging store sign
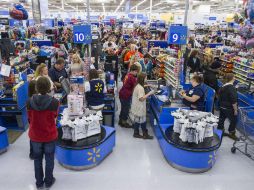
177	35
82	34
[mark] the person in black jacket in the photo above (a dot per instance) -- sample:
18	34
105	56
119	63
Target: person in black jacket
228	105
186	57
194	62
211	69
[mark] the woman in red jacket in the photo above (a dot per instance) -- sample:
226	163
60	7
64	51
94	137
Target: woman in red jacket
42	112
125	95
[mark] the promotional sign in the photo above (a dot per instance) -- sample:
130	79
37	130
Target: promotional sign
177	35
212	18
82	34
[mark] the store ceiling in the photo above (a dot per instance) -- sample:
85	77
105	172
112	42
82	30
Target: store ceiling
119	5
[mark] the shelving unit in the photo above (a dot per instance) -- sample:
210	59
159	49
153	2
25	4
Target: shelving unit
242	72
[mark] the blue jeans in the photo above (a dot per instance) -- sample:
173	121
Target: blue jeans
125	107
39	150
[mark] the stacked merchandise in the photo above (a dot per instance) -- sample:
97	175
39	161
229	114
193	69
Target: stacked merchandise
79	123
227	64
194	126
88	124
243	69
172	67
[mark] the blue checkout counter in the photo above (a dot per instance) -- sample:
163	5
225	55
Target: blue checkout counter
89	152
3	140
13	114
183	156
85	153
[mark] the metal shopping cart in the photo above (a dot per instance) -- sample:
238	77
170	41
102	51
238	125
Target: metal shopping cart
245	143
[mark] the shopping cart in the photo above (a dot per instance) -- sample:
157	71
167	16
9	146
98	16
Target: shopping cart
245	143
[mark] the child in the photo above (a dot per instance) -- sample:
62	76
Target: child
125	95
31	92
42	112
138	108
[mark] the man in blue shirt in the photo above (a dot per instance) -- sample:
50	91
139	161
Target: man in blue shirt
58	71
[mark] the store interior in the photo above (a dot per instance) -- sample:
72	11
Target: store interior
126	94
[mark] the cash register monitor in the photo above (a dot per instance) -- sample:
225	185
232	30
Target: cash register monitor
65	85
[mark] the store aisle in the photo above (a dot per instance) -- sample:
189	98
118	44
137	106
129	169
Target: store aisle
134	164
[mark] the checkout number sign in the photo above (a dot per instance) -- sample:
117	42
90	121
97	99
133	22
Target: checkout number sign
177	35
82	34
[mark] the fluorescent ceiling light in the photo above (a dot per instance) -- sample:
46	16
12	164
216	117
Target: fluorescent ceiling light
121	3
138	4
154	5
66	4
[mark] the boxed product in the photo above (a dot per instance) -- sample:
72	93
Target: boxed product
75	104
77	85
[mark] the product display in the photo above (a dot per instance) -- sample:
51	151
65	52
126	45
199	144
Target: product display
81	127
194	126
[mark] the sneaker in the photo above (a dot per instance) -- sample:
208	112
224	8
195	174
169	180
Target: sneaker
49	186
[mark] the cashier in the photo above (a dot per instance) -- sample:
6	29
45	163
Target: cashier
95	90
58	71
194	98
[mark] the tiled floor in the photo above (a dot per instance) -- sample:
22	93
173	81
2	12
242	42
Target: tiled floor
133	165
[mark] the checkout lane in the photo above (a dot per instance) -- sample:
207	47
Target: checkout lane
183	156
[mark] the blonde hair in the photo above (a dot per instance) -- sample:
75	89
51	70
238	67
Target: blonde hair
39	70
76	56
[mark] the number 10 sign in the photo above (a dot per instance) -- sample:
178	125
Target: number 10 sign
82	34
177	35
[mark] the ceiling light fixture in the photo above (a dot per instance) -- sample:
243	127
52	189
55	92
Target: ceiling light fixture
121	3
138	4
154	5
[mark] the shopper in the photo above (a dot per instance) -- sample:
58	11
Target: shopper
42	70
186	57
77	66
111	41
42	113
138	108
195	97
133	52
125	95
228	105
95	90
194	62
56	72
31	91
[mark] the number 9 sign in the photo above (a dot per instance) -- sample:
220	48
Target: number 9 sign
174	38
177	35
